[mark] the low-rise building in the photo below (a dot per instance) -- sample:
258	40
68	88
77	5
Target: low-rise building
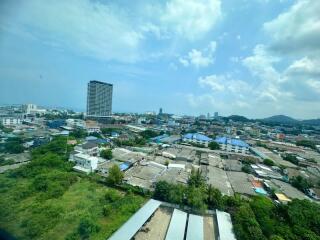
197	138
88	148
232	145
84	162
11	121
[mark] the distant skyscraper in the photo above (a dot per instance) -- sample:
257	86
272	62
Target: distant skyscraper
99	99
216	115
160	111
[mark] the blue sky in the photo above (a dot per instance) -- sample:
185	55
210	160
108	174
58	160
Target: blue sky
250	57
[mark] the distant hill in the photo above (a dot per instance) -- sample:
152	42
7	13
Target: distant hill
311	121
280	119
238	118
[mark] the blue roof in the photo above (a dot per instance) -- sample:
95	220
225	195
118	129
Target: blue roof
158	138
197	136
231	141
91	138
124	166
261	191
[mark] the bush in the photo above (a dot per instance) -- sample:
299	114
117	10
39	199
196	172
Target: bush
268	162
87	227
106	154
115	175
214	145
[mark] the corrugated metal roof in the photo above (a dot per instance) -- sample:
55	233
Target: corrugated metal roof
225	226
197	136
177	225
130	228
231	141
195	228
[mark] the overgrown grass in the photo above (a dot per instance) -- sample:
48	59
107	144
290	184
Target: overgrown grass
27	215
45	199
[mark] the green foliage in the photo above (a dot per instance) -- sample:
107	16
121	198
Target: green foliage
44	199
108	131
196	198
54	183
301	183
245	224
4	162
214	145
5	129
115	175
214	198
106	154
86	227
13	145
78	133
57	146
149	134
196	179
306	143
246	168
136	142
260	144
291	158
268	162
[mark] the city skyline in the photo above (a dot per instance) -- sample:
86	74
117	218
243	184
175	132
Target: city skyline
188	57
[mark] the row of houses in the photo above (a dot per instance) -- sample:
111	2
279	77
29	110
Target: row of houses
225	143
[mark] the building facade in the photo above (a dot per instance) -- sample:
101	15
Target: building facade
232	145
99	99
197	138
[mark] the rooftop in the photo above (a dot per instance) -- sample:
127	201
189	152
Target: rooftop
231	141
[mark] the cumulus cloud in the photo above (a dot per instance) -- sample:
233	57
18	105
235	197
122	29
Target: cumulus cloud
200	58
193	18
84	27
296	31
105	30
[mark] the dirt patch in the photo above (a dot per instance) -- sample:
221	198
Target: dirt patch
156	227
208	228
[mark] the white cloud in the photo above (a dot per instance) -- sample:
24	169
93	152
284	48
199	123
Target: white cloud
297	31
85	27
197	59
106	30
200	58
213	81
191	19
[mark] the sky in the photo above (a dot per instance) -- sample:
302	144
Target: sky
255	58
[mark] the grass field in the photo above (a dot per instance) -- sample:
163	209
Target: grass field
26	214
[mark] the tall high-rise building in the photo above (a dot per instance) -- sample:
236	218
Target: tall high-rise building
99	99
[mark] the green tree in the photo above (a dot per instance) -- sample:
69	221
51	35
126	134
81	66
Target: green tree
162	190
268	162
106	154
214	198
301	183
214	145
196	178
78	133
196	199
149	134
115	175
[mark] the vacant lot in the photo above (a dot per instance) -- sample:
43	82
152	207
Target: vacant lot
30	216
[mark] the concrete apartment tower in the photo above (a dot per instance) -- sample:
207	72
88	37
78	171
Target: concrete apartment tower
99	100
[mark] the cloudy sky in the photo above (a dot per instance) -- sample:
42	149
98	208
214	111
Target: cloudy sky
250	57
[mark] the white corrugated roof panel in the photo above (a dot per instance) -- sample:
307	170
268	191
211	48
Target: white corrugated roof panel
195	228
132	226
177	225
225	226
